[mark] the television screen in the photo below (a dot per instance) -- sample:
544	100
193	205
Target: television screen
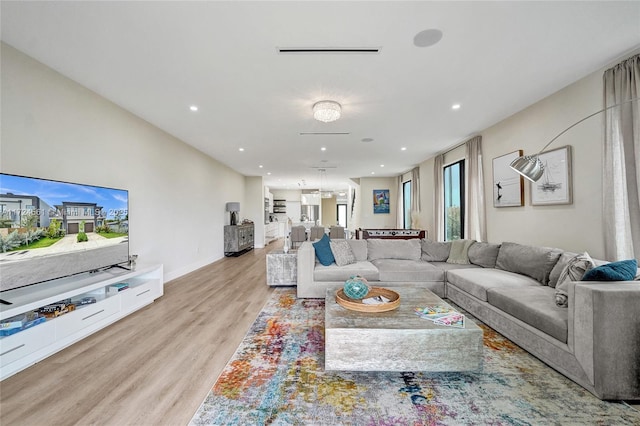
51	229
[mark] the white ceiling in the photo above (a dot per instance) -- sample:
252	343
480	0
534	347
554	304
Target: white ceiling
156	59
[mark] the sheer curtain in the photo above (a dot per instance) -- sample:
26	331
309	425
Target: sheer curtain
416	205
438	205
400	204
475	227
621	171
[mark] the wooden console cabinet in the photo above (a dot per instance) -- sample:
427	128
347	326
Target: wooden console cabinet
20	350
238	239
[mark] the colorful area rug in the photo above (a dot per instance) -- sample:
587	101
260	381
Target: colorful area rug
276	377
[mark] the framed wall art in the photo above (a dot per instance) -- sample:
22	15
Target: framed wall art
508	186
555	186
380	201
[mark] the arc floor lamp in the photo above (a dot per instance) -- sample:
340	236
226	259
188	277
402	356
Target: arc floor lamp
532	168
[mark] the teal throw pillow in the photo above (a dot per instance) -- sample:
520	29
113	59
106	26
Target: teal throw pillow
624	270
323	251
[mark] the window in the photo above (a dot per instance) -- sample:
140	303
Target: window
454	201
342	215
406	204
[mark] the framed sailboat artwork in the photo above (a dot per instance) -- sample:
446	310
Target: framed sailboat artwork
555	185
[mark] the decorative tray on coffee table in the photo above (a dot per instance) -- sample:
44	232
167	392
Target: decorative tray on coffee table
358	305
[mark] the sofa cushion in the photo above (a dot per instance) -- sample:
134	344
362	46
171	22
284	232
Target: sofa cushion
323	250
573	271
394	270
484	254
535	262
359	248
337	273
433	251
459	252
476	281
534	306
451	266
393	249
624	270
562	262
342	252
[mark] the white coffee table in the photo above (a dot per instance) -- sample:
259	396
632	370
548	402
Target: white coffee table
398	340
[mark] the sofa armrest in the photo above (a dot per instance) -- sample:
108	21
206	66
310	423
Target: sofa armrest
306	263
606	335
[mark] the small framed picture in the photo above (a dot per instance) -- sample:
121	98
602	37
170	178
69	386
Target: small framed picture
508	185
380	201
555	186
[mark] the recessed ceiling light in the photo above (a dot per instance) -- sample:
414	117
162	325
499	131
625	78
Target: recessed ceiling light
193	108
373	173
404	148
260	166
455	106
324	148
427	38
269	173
367	140
381	165
240	149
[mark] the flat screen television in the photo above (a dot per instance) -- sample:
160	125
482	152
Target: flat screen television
51	229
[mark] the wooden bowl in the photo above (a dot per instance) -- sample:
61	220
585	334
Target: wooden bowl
357	305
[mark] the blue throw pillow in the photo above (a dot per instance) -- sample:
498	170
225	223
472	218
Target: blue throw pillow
323	251
625	270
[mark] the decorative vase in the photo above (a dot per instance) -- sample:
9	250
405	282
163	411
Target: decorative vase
356	287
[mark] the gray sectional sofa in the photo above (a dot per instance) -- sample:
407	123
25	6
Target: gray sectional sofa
595	341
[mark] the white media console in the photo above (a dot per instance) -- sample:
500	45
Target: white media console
20	350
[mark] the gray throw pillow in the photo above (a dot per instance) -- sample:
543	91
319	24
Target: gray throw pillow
559	267
433	251
575	269
534	262
484	254
342	252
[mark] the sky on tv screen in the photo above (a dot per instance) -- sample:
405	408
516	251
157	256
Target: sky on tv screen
54	193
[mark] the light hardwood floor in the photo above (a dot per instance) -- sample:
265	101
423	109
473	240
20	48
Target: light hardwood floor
153	367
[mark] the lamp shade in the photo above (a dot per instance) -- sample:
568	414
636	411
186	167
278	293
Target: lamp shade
233	207
528	166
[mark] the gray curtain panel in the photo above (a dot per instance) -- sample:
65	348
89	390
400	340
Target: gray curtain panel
621	171
475	226
438	202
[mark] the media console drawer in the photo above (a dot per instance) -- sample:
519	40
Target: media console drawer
25	342
74	321
137	295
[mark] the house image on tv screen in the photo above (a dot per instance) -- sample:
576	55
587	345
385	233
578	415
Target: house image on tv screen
13	208
76	215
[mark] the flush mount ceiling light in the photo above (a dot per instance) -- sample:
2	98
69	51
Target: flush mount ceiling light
326	111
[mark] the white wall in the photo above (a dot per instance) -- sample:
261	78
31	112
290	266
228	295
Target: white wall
367	218
252	207
575	227
54	128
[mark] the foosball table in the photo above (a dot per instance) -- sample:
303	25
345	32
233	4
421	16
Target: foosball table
397	234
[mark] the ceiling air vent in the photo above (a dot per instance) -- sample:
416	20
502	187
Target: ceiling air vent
328	49
323	133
